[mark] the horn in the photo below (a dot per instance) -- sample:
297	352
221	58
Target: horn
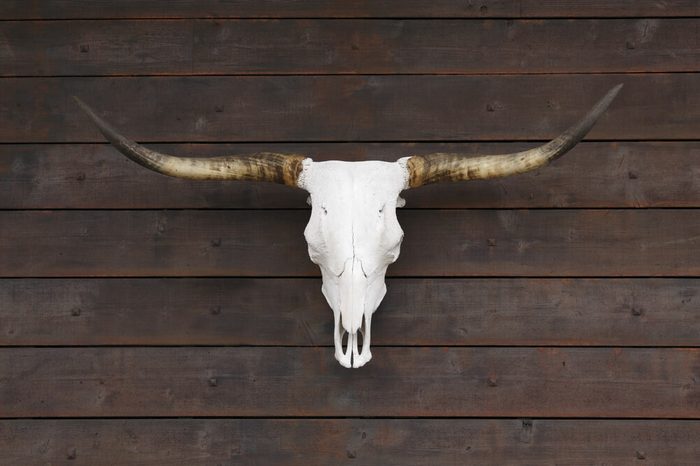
262	166
438	167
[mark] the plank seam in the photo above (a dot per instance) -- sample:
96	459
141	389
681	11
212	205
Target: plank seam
374	345
305	209
297	74
345	18
354	141
389	277
310	418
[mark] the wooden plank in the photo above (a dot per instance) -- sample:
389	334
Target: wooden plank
581	312
404	382
193	47
252	243
611	175
349	108
346	441
67	9
270	243
606	8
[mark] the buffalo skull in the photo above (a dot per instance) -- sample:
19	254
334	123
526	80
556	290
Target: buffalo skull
353	234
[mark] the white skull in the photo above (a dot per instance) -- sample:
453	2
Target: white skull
353	236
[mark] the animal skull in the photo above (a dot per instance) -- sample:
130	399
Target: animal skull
353	234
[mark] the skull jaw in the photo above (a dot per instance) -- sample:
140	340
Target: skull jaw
351	357
353	362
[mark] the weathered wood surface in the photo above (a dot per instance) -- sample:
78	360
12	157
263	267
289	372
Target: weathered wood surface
624	174
186	47
178	313
349	108
613	312
321	442
271	243
404	382
67	9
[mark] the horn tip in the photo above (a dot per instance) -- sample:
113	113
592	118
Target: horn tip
615	90
82	105
603	103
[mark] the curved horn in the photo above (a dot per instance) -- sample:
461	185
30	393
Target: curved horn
263	166
437	167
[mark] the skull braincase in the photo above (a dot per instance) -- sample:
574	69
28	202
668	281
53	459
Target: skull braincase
353	235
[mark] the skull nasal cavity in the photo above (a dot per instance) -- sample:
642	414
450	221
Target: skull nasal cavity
353	292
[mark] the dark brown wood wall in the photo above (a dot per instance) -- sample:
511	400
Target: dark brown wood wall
549	318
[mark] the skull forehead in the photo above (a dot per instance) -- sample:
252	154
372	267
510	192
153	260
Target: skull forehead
343	182
353	212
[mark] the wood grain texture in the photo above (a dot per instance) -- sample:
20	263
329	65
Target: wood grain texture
87	176
403	382
192	47
213	319
66	9
349	108
405	442
583	312
271	243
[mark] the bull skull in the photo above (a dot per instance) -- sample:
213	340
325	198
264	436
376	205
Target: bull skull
353	234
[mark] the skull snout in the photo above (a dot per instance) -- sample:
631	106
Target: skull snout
351	317
353	293
351	356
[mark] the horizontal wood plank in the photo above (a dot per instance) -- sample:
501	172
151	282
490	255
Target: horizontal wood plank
349	108
609	8
404	382
271	243
67	9
582	312
87	176
193	47
191	442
